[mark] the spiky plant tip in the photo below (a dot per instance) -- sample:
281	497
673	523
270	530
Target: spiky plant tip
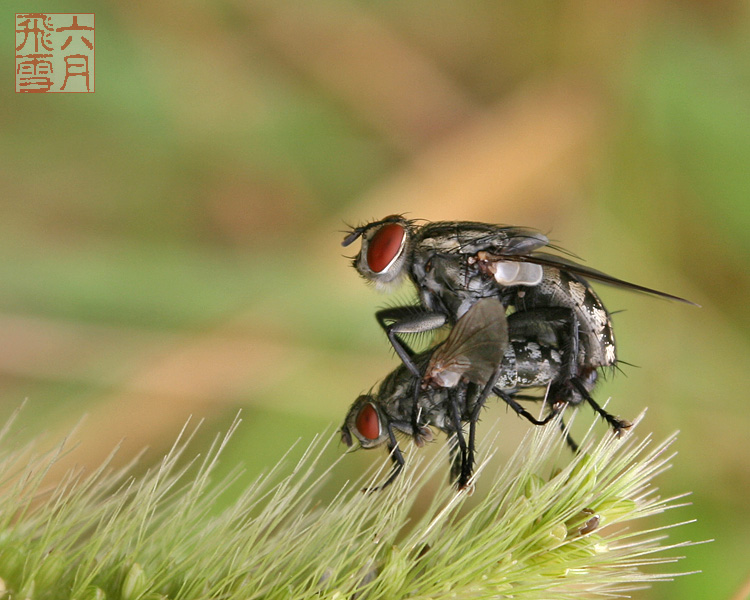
546	526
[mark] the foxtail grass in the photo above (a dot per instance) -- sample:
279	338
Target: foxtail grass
547	525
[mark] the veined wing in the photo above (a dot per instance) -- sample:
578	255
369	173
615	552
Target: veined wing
474	348
558	262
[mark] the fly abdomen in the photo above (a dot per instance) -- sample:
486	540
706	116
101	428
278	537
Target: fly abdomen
596	339
536	365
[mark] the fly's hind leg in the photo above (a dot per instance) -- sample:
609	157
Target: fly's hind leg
521	411
618	425
557	408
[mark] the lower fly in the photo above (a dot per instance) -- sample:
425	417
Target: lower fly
479	358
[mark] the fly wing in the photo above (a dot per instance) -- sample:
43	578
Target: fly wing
469	237
508	240
564	264
473	349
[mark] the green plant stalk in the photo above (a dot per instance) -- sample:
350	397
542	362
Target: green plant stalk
539	531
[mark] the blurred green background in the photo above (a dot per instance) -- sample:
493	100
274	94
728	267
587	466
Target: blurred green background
170	245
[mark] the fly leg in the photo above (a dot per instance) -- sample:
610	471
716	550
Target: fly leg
573	384
521	411
409	319
468	464
398	462
457	460
617	424
511	401
459	452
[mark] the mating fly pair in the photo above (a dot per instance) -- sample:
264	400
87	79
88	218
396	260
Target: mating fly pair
454	266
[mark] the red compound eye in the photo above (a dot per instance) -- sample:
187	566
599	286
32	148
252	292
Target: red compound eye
384	246
368	423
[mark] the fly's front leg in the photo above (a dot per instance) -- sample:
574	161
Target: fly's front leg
407	319
398	462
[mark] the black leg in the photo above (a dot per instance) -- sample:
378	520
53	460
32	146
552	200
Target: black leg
618	425
398	463
521	411
415	407
468	466
455	415
457	460
407	319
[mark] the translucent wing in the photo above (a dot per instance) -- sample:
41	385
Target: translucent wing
474	348
503	239
564	264
469	237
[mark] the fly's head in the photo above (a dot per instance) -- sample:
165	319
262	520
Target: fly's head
366	422
384	257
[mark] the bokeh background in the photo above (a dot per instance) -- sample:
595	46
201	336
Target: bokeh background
170	245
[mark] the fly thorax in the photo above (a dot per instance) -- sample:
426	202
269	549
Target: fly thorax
397	384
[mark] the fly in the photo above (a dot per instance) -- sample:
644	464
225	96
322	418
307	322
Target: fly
454	264
455	379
